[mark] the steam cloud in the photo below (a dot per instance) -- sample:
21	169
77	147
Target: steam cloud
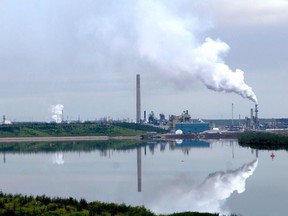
209	196
150	34
167	41
57	113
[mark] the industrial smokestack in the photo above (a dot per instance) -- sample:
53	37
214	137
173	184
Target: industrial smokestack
232	114
252	119
138	99
145	116
256	117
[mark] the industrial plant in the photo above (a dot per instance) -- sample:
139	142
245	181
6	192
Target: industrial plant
180	124
184	123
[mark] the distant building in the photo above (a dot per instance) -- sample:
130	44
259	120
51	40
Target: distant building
184	117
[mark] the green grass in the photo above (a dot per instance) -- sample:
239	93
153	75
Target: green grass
80	129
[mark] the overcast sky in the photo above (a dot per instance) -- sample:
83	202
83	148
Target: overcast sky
86	54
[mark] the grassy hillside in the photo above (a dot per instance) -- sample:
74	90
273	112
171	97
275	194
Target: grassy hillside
81	129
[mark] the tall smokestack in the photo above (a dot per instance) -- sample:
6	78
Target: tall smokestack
138	99
251	119
232	114
256	117
144	116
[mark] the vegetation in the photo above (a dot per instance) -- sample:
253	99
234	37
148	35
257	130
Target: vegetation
75	129
263	140
30	147
41	205
193	214
141	127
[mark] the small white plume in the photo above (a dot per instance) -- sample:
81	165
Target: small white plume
57	112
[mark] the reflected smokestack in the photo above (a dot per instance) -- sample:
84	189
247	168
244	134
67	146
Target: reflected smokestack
139	171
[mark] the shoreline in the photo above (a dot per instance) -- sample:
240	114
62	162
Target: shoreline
68	138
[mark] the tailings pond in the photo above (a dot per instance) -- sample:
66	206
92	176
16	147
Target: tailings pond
165	177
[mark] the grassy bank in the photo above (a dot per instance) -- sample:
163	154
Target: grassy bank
42	205
263	140
75	129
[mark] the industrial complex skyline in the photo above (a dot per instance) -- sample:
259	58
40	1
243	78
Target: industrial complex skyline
85	55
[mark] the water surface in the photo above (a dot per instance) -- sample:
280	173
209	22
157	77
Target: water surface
166	177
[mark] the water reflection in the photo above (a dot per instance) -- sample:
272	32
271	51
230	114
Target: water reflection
4	157
159	175
58	158
187	145
209	196
139	169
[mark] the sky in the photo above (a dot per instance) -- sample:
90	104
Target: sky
200	56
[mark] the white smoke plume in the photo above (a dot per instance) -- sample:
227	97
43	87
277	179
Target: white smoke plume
169	42
57	112
209	196
145	36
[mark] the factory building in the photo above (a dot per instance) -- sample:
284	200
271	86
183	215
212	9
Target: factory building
185	124
192	127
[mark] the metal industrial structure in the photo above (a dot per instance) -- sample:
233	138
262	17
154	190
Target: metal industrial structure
252	123
185	123
138	99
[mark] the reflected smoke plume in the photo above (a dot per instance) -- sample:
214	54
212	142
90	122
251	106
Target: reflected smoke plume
58	158
209	196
